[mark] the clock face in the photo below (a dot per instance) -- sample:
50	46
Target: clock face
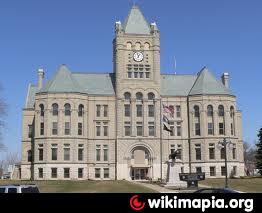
138	56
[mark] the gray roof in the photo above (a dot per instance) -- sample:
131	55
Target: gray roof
30	98
204	83
63	81
136	23
176	85
207	84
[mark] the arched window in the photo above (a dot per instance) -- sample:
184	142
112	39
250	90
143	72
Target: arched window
232	113
127	96
220	110
151	96
29	156
196	111
139	96
138	46
67	109
42	110
129	45
146	46
55	109
80	110
209	110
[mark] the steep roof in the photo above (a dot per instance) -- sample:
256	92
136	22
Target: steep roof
30	98
62	82
176	85
136	23
207	84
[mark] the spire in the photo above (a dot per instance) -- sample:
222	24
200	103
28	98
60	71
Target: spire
135	22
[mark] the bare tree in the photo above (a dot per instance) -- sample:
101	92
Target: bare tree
3	113
249	157
12	158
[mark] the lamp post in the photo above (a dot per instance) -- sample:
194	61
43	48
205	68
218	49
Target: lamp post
224	144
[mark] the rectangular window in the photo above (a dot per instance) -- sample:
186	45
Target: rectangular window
147	75
54	128
172	128
105	110
80	153
129	74
41	154
221	128
178	129
211	153
97	172
135	74
105	152
210	129
232	129
42	128
106	172
80	129
80	172
151	110
178	111
98	152
54	153
198	151
197	128
98	130
105	129
67	128
40	173
212	171
234	151
223	171
67	153
222	153
53	172
234	172
127	110
30	131
151	128
139	129
66	173
198	169
139	111
127	129
98	110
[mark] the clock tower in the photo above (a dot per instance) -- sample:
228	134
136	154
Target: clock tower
136	53
136	59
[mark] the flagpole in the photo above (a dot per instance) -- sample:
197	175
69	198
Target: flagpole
161	131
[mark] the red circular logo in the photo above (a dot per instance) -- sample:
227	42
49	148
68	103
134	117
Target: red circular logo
135	204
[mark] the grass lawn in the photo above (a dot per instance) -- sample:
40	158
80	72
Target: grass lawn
241	184
85	186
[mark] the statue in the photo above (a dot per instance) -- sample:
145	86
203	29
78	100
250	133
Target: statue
174	154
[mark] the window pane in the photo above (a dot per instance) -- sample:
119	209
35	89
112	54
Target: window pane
40	154
105	110
54	153
66	173
80	172
178	111
98	110
54	172
106	172
139	110
197	128
80	154
97	172
40	172
80	128
98	154
127	110
151	111
66	153
98	130
105	130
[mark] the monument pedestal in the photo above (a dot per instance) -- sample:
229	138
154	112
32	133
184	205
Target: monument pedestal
173	180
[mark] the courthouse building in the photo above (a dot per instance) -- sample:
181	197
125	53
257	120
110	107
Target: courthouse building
109	126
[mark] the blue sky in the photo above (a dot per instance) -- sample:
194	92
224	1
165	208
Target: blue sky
223	35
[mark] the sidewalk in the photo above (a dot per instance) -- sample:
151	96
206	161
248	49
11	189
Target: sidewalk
160	189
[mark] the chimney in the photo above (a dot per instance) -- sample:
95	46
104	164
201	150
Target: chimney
40	78
225	79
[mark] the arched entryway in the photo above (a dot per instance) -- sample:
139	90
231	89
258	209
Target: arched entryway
141	163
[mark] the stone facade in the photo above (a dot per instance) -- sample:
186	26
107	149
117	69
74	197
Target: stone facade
120	134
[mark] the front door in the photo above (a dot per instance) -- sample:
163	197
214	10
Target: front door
139	173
